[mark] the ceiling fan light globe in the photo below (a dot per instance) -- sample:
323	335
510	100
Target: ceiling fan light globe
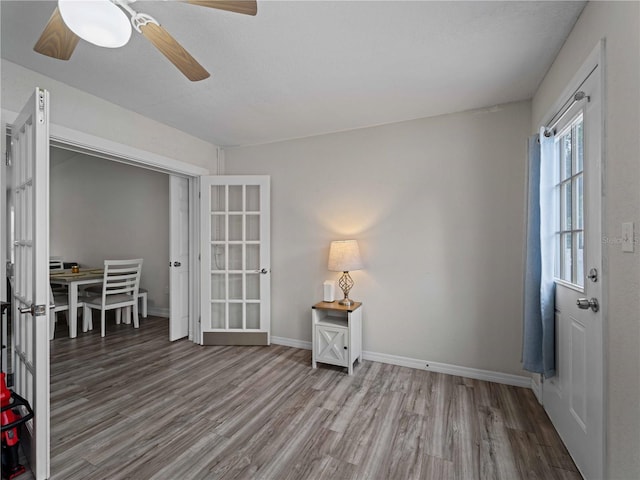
97	21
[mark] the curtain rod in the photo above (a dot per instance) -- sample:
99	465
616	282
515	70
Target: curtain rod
577	96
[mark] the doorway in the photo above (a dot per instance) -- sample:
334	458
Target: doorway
101	209
34	161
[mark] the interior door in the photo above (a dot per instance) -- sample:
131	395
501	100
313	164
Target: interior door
30	327
574	398
179	258
235	260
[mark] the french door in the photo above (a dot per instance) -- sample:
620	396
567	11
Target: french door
574	398
30	324
235	260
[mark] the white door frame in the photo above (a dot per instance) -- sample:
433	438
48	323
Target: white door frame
595	59
81	142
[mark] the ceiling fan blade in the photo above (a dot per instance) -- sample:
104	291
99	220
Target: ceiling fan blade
176	54
57	40
248	7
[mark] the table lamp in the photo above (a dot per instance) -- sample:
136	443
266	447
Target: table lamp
344	256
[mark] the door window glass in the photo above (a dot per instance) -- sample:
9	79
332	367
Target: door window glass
570	192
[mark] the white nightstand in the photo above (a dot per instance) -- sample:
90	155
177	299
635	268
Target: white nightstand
336	332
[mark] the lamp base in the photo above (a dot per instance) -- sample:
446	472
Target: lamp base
345	283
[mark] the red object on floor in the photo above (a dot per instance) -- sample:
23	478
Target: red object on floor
11	419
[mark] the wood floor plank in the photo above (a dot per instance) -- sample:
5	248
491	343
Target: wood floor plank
407	448
434	468
133	405
441	439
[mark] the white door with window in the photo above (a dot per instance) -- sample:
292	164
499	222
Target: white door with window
574	398
179	257
30	325
235	260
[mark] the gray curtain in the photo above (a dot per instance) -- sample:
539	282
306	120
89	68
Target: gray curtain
538	342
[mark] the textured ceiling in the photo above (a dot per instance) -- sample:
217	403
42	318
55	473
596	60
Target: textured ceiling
302	68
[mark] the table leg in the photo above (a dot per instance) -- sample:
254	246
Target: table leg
72	314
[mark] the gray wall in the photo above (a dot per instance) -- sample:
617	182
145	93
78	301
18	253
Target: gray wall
89	114
437	207
101	210
619	24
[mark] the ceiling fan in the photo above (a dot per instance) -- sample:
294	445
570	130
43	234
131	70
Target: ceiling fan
105	23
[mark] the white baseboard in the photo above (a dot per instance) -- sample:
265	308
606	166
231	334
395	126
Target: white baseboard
536	386
291	342
486	375
158	312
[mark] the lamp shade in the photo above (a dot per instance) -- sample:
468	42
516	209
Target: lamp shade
100	22
344	256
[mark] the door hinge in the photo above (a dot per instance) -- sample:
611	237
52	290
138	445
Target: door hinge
41	106
8	157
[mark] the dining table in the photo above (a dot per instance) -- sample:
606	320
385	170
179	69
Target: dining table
74	280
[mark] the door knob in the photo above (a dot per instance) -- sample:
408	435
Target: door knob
35	310
30	309
586	303
264	271
177	264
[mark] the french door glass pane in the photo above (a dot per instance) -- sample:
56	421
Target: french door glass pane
235	315
218	257
218	284
253	315
235	198
579	280
218	232
579	214
235	257
566	206
253	286
253	227
567	268
253	198
579	146
253	257
557	268
565	153
218	200
217	315
235	286
235	228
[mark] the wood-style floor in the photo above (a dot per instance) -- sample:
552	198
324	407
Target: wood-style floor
134	406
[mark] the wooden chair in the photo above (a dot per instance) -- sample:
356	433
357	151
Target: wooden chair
142	296
61	304
56	263
120	285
